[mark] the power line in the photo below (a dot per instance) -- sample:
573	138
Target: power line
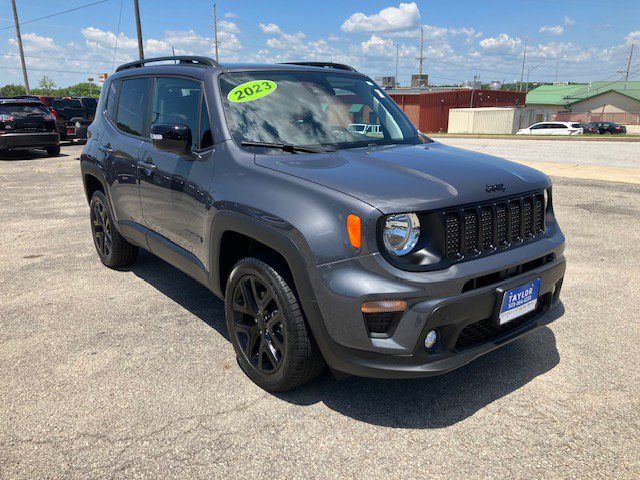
67	59
50	70
115	47
56	14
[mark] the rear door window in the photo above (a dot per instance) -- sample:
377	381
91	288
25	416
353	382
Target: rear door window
132	105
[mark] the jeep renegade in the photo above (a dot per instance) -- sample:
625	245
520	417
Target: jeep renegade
371	249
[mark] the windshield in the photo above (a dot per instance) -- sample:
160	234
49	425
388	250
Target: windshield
311	109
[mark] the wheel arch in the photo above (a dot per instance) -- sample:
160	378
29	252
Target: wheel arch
297	258
92	184
235	236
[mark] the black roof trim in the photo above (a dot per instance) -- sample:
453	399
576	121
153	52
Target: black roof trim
337	66
180	59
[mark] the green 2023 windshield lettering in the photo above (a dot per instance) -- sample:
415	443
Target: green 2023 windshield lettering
250	91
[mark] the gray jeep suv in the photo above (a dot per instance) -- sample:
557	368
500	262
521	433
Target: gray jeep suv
374	250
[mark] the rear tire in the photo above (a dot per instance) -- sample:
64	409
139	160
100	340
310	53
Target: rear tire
53	151
266	325
114	251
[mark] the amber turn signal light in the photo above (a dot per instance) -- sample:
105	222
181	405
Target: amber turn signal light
354	228
383	306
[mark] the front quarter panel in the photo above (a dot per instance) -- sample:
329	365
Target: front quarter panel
313	216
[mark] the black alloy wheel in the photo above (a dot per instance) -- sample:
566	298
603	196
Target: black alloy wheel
101	228
258	324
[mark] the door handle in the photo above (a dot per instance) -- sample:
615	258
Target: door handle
146	166
105	149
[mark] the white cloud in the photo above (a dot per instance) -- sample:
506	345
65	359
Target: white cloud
501	42
36	44
185	42
568	21
376	44
402	17
228	26
270	29
552	29
230	15
467	32
633	38
439	51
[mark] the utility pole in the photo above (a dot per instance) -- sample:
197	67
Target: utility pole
557	64
421	58
19	36
524	59
395	81
626	77
473	89
215	29
139	29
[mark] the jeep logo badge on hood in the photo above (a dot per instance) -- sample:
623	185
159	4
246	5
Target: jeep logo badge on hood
498	187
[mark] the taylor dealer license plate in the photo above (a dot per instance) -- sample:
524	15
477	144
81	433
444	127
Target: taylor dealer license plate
519	301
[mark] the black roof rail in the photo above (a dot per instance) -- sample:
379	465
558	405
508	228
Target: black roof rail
337	66
181	59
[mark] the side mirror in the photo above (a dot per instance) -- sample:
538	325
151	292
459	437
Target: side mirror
171	138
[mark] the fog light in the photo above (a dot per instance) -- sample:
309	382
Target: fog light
431	339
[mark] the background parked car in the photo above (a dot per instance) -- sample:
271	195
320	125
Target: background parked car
26	123
90	105
552	128
606	128
589	128
73	118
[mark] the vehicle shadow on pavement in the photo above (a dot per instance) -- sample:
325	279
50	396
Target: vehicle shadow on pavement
435	402
18	155
441	401
182	289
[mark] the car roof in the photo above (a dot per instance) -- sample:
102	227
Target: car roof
197	66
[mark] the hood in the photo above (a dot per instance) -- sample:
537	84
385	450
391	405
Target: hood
408	178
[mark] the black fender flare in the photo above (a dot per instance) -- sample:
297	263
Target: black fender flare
91	168
293	254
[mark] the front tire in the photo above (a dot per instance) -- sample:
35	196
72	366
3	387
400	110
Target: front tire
114	251
273	344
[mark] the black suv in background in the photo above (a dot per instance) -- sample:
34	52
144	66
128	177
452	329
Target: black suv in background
27	124
609	128
375	250
74	116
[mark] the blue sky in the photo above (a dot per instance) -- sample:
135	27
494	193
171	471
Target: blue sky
585	40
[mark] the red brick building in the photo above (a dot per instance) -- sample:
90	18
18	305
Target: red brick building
429	111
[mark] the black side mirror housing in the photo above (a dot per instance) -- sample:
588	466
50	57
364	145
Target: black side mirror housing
171	138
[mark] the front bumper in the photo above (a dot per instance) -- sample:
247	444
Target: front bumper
462	316
29	140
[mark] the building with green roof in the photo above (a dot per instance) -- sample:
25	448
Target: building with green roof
610	101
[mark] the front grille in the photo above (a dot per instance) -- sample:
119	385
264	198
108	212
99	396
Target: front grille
488	330
476	229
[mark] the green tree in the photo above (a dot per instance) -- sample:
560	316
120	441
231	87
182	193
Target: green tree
47	85
12	90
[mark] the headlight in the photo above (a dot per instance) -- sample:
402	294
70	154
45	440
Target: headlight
401	233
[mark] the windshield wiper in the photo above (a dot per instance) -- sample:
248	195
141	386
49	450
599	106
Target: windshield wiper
286	147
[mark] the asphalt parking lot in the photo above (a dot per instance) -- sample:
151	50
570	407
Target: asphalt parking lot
127	374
